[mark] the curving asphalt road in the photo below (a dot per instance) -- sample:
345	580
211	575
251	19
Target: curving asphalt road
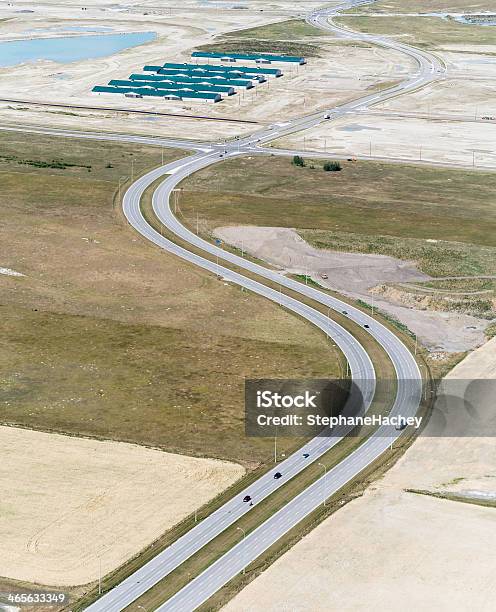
409	385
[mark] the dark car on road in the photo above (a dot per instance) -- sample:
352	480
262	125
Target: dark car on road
277	475
246	498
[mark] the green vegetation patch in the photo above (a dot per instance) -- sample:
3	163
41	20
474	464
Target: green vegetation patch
286	38
58	164
282	30
283	47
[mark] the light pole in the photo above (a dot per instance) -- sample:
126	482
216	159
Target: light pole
325	480
275	447
244	537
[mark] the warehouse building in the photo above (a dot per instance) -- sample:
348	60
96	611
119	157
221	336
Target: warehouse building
182	77
259	58
276	72
194	70
168	84
166	94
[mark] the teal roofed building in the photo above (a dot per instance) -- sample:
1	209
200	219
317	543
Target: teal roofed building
259	58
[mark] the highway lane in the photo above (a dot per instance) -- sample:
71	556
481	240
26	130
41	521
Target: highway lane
115	137
362	372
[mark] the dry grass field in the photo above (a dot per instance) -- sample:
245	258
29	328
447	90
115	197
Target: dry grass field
358	208
423	6
422	31
105	335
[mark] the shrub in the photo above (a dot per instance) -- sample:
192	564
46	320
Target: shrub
298	161
332	166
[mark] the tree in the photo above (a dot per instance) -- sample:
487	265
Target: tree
332	166
298	161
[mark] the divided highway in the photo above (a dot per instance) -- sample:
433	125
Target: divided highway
409	382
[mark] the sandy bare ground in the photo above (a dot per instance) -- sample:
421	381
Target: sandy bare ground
69	502
390	546
354	274
444	98
445	141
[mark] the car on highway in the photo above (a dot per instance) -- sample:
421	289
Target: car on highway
277	475
306	455
401	426
327	116
344	312
247	498
367	326
324	275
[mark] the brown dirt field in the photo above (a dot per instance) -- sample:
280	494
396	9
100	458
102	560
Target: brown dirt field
70	503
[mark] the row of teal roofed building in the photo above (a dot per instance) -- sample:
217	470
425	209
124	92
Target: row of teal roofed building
262	58
178	81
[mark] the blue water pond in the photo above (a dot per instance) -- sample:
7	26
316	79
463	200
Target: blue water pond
68	49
